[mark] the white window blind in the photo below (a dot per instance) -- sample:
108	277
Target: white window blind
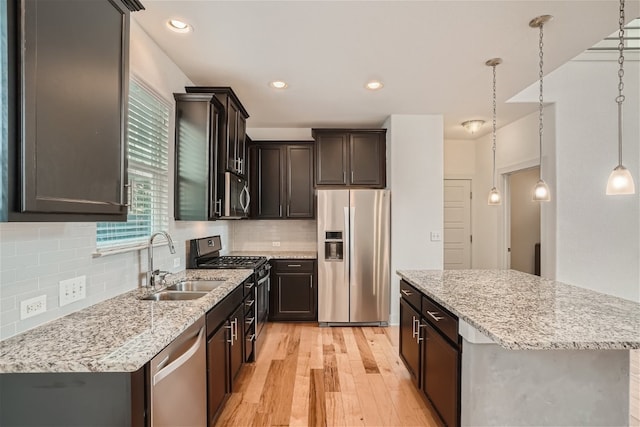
148	157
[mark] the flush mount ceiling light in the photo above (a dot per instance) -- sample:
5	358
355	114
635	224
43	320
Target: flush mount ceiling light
374	85
178	26
278	84
494	195
472	126
620	181
541	190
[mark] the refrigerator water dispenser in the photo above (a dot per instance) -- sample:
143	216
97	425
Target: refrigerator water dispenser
333	246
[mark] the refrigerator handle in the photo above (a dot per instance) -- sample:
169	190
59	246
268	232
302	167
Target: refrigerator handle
352	244
347	243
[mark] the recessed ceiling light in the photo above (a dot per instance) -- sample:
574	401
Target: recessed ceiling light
374	85
178	26
278	84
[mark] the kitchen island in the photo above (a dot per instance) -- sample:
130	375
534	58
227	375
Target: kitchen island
536	351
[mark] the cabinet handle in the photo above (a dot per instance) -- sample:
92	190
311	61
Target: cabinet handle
249	285
413	326
433	315
252	338
129	186
218	209
419	337
280	212
352	177
406	293
311	282
230	326
249	303
249	320
288	210
294	265
344	176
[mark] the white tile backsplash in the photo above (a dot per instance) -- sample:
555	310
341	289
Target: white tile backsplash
35	257
258	235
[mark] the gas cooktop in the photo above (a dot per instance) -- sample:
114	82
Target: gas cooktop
205	253
232	262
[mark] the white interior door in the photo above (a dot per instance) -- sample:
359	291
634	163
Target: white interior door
457	224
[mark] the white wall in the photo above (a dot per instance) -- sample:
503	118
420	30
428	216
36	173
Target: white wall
34	257
459	158
415	177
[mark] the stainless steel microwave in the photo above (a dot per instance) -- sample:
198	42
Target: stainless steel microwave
236	196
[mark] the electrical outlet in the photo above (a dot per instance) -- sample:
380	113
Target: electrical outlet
72	290
435	236
33	306
275	244
176	262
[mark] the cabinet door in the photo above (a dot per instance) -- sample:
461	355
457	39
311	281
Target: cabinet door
367	158
236	354
217	372
267	197
442	380
331	158
293	297
299	182
232	136
409	346
73	155
241	144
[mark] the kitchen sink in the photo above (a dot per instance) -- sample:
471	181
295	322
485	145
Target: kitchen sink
173	296
196	285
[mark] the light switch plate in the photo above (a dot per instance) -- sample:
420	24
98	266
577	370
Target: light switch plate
435	236
275	244
176	262
72	290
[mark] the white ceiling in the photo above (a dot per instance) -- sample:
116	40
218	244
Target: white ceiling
429	54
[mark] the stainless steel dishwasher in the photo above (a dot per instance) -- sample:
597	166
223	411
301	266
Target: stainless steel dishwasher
178	376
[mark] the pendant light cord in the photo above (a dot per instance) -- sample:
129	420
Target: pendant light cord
540	98
494	127
620	97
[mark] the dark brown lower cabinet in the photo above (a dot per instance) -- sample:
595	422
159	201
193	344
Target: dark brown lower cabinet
293	295
409	345
431	349
217	368
441	374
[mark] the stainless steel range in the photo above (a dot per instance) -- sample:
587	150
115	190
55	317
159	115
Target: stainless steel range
204	253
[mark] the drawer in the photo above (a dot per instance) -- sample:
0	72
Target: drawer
441	319
410	294
219	314
294	265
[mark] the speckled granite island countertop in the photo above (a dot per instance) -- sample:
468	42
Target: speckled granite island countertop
279	254
117	335
522	311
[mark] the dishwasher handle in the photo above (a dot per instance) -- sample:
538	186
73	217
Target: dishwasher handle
181	360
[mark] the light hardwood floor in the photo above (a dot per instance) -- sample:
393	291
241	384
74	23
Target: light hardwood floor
339	376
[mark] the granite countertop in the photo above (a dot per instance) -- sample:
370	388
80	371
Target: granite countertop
279	254
117	335
522	311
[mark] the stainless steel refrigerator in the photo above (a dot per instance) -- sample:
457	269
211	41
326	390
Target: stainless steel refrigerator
353	256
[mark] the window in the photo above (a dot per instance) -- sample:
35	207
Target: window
148	142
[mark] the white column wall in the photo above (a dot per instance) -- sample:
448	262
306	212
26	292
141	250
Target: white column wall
415	177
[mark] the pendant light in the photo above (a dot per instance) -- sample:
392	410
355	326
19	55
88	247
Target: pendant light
541	190
620	181
494	195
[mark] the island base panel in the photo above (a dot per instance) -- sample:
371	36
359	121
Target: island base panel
544	387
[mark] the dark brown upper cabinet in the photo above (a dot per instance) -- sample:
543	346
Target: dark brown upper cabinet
199	120
281	182
233	147
351	157
67	95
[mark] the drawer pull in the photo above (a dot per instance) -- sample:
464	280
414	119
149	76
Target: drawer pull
420	338
414	323
249	303
249	320
433	315
406	293
294	265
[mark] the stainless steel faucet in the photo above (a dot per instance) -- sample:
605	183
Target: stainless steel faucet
151	274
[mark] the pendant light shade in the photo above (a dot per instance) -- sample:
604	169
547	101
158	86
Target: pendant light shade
494	195
620	181
541	191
